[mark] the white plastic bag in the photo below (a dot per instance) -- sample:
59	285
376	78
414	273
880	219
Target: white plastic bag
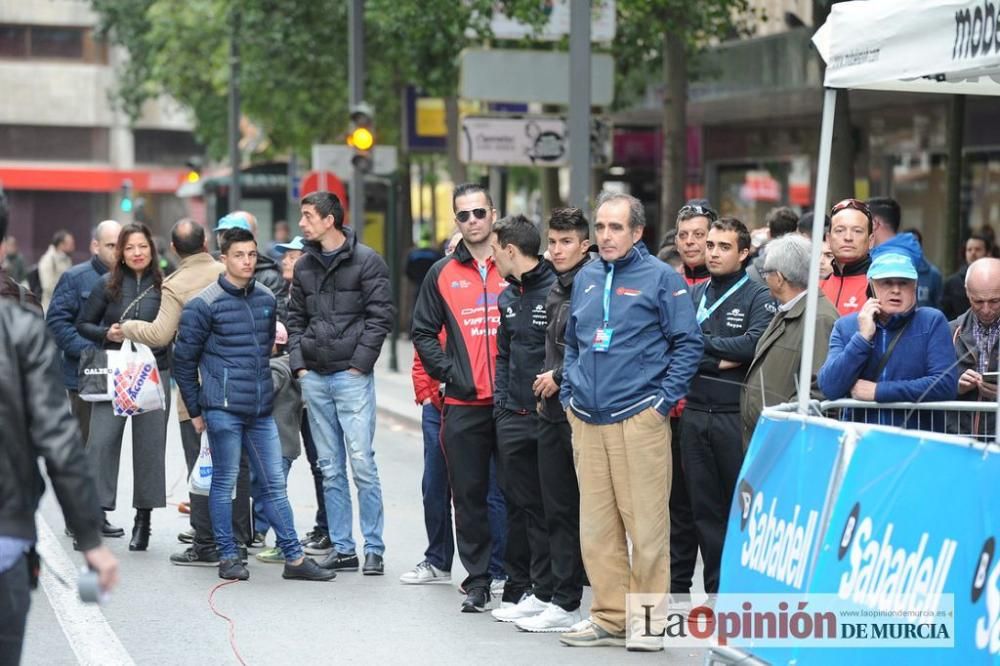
200	482
138	387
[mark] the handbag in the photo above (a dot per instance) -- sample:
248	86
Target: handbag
136	381
93	380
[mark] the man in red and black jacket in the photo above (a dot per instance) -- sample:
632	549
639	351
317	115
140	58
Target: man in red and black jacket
850	238
460	295
693	222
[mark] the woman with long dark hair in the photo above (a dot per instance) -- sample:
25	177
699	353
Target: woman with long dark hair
131	290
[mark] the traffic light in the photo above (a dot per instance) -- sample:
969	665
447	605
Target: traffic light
362	137
127	204
194	170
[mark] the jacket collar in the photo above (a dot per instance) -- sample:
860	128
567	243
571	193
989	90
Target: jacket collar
859	267
898	320
534	276
566	279
233	290
723	282
463	256
314	248
636	255
98	265
195	260
699	272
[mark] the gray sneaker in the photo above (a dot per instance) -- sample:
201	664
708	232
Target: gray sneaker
592	635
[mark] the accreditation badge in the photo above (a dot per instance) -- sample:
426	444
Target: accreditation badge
602	339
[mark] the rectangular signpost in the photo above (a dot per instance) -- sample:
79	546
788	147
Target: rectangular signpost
534	140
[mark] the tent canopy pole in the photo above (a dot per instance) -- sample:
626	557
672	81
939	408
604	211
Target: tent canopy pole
819	217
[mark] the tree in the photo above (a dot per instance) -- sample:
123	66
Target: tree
665	36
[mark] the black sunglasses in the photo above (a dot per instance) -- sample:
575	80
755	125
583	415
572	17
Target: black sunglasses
463	215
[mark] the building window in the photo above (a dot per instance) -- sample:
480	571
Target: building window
69	144
164	147
51	43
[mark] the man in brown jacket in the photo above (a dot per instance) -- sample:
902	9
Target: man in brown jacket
196	271
774	372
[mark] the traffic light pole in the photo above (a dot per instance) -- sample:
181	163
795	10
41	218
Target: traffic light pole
356	83
234	112
579	105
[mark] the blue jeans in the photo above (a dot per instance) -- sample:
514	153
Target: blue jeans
341	408
437	502
228	435
260	522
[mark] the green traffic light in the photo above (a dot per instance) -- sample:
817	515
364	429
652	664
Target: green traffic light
126	205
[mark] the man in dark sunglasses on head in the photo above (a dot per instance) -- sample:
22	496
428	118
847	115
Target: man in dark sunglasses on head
850	238
459	294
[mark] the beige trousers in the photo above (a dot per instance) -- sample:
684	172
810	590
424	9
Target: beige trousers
624	471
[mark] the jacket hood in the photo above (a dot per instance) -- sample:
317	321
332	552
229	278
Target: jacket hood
904	244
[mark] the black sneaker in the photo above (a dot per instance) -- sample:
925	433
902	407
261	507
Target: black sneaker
307	570
320	544
233	570
310	536
258	540
476	600
187	536
374	565
340	562
244	557
109	530
195	557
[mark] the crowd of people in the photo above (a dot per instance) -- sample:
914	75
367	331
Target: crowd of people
586	406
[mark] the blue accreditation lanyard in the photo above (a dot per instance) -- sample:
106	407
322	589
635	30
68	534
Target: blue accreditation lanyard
607	294
704	313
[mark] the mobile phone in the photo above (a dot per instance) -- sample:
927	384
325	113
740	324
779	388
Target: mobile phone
991	375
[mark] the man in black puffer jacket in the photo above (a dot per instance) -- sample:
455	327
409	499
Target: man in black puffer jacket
520	357
339	313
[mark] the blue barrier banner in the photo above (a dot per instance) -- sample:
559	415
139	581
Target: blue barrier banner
774	523
915	520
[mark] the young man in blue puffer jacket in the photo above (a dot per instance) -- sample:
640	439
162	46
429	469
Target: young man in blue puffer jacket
892	351
226	334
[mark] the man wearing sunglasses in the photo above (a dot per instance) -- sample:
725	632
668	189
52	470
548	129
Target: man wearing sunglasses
849	237
459	294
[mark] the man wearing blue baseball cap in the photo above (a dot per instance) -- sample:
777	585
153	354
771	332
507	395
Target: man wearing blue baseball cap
267	272
892	350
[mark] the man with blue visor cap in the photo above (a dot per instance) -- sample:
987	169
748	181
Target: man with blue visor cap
892	350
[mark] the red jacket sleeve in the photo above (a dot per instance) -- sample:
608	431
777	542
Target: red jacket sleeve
424	386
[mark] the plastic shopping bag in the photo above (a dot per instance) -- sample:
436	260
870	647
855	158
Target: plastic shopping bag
138	387
200	482
93	376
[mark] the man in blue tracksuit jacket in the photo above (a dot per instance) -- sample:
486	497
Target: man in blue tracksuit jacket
892	350
226	333
632	346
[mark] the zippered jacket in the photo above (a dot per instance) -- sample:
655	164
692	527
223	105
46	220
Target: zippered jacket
454	296
730	333
847	287
72	291
521	338
557	310
655	346
227	334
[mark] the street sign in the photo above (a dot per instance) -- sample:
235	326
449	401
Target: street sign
513	75
602	23
315	181
527	141
337	160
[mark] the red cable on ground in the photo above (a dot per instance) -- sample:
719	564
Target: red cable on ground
232	625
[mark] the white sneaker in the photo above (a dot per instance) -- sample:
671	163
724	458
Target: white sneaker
496	587
582	624
552	619
425	573
529	606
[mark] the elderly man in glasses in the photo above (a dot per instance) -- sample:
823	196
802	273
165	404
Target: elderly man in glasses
977	343
849	237
892	350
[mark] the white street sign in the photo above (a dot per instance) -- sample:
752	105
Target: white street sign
602	23
337	159
521	75
527	141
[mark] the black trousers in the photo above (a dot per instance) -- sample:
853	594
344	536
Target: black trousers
517	445
683	536
201	521
15	599
712	454
312	456
561	502
469	440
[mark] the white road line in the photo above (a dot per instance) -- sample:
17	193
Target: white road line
87	630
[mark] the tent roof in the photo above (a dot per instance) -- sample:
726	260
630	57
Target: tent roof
939	46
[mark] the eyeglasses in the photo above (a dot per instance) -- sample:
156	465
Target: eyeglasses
693	210
463	215
852	204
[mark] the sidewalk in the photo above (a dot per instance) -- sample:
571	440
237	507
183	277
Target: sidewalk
394	390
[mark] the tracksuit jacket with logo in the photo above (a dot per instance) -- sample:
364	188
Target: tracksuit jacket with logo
847	287
455	296
730	333
521	338
654	349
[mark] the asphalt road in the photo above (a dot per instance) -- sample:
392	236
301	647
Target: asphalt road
160	614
